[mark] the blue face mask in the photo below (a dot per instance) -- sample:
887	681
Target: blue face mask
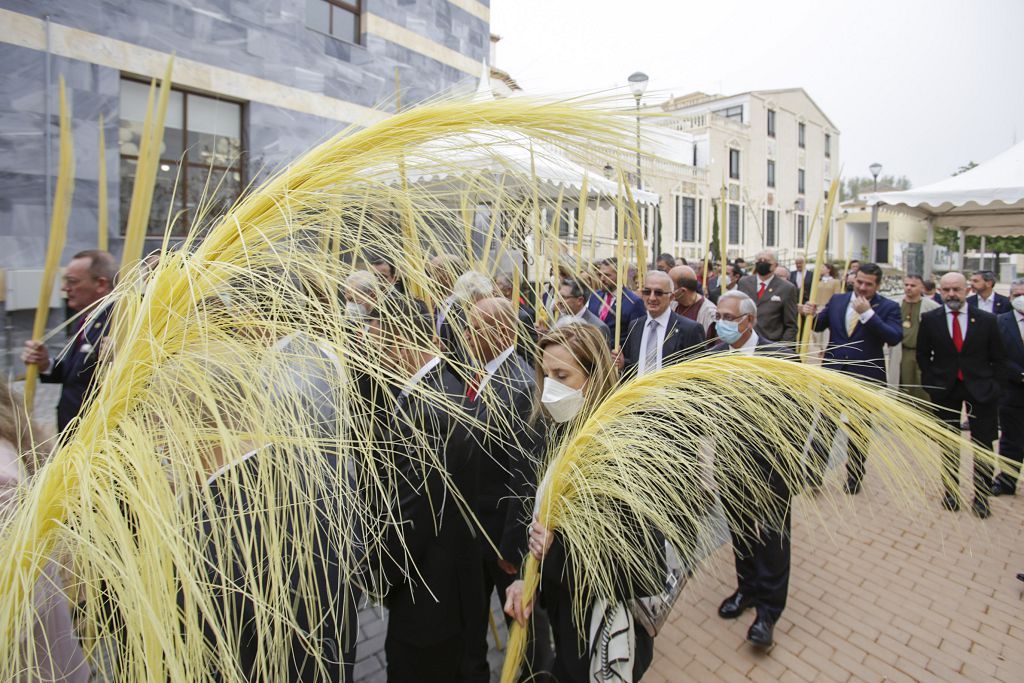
728	331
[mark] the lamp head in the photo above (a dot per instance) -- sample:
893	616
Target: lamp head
875	169
638	84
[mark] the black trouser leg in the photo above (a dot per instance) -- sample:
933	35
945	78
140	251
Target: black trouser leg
948	411
984	421
475	668
771	559
1011	444
820	449
414	663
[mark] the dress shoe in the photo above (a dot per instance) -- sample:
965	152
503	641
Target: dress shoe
852	486
761	631
734	605
980	508
1020	577
1003	488
950	502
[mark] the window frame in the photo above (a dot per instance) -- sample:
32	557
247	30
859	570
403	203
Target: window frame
828	145
681	215
353	6
733	206
734	163
801	181
770	123
771	230
801	135
770	173
182	163
801	231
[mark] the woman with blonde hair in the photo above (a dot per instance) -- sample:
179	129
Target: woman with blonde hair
575	374
51	651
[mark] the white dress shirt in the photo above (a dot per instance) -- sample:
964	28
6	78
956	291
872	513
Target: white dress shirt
1020	323
492	366
748	347
987	304
662	319
963	321
864	317
420	374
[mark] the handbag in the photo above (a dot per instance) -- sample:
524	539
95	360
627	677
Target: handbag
651	612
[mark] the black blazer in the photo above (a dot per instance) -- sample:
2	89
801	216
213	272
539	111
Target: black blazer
76	368
438	591
1000	303
1009	330
982	359
683	337
510	453
238	562
808	279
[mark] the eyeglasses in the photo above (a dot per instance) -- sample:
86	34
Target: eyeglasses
647	291
730	318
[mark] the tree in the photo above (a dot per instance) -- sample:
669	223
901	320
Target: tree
852	188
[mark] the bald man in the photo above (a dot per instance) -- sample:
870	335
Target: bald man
687	301
960	352
661	337
510	450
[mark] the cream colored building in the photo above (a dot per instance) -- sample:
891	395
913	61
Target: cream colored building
899	239
774	151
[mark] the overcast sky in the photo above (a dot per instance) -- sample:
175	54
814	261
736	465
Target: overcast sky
921	87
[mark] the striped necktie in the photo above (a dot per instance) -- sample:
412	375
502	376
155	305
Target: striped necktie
651	353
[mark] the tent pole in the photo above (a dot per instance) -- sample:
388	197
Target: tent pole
929	249
981	263
873	234
963	247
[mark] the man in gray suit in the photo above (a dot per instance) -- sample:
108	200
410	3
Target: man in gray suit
572	307
775	298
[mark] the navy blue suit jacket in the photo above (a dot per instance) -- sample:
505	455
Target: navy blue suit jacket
683	337
1013	345
1000	303
632	308
860	353
75	369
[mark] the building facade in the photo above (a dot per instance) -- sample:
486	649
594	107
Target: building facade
256	82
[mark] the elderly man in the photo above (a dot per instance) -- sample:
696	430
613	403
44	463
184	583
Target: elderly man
1011	406
510	454
88	277
571	305
860	324
665	262
985	298
661	337
603	302
758	523
903	371
775	298
687	301
468	288
799	278
960	351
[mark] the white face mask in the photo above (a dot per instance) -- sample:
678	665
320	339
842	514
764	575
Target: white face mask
1018	303
355	310
562	403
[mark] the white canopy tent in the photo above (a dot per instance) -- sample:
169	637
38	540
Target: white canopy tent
987	200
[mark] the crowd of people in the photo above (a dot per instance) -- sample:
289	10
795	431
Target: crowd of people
540	362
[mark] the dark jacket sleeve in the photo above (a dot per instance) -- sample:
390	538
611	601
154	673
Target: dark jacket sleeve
821	319
887	324
925	345
789	317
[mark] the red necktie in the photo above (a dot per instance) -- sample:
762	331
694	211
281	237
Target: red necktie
958	340
607	308
760	291
473	386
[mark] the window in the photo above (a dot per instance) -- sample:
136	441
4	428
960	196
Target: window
200	167
566	222
771	123
801	134
695	155
771	237
686	219
801	231
734	224
771	173
828	146
337	18
800	181
734	164
731	113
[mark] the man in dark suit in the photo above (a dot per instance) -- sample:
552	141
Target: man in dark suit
429	553
759	524
960	351
510	452
1011	406
929	291
800	278
775	298
571	303
603	302
985	298
88	277
860	324
661	337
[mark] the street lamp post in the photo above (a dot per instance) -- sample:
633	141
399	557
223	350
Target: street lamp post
875	169
638	85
